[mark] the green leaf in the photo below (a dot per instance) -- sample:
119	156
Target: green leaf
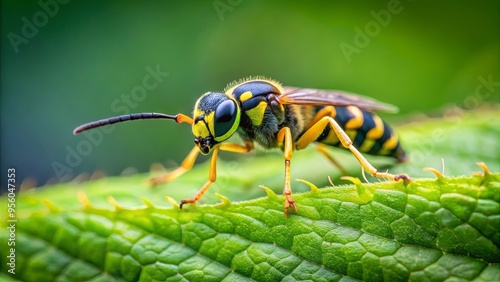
416	235
430	229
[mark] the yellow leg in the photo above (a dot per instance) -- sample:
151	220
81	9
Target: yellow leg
237	148
212	175
186	165
315	131
322	148
328	111
285	140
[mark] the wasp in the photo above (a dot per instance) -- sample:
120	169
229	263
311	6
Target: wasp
263	111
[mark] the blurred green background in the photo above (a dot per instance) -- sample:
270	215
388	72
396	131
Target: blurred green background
66	64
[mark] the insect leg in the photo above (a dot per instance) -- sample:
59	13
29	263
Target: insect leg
212	176
315	131
322	148
186	165
237	148
285	141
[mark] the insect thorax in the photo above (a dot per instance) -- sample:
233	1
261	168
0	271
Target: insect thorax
265	133
262	116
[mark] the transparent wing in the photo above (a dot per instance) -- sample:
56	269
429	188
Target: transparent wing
309	96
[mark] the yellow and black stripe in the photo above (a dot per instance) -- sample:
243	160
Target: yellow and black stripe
263	116
368	132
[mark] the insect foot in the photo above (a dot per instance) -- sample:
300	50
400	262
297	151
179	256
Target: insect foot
403	176
289	201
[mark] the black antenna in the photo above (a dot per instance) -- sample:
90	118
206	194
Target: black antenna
122	118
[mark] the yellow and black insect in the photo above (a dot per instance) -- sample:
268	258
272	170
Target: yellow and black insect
263	111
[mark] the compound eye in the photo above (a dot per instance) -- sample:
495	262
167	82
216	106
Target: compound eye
224	117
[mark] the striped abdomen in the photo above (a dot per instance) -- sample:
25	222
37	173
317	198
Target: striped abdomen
369	133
